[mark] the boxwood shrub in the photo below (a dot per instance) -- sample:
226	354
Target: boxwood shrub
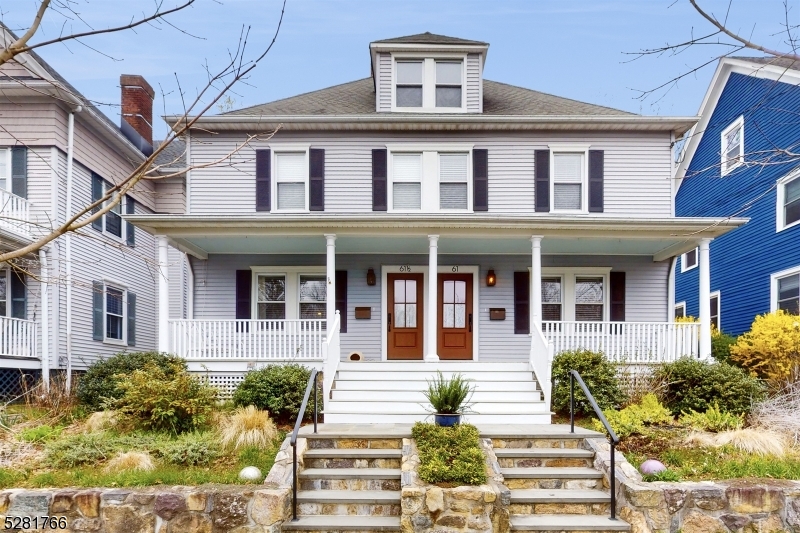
449	455
599	374
279	389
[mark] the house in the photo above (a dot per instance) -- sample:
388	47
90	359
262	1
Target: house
422	219
86	295
734	165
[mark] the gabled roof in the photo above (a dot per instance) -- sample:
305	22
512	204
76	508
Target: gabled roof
358	98
430	38
173	156
778	69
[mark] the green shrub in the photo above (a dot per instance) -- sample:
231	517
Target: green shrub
449	396
165	400
635	417
450	455
694	385
189	449
721	346
278	389
77	450
40	433
713	420
599	374
100	383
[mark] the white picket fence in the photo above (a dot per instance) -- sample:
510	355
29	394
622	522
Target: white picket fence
17	337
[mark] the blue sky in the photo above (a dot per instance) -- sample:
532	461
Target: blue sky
572	48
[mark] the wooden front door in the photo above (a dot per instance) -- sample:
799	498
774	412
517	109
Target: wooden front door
405	316
455	316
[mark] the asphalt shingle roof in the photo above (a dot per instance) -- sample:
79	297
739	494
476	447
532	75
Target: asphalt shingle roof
358	98
776	61
174	154
429	38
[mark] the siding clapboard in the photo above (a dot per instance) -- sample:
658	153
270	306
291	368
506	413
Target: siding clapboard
474	84
383	101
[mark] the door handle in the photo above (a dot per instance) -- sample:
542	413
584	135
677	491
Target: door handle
389	323
470	322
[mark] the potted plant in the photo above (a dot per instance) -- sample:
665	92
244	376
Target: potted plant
449	398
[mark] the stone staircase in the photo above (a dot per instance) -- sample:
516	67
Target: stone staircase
554	485
348	484
390	392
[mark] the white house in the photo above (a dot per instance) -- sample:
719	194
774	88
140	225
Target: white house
426	218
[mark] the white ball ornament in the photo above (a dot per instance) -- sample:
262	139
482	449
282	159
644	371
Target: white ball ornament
250	473
651	466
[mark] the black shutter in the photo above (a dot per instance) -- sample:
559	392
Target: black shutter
522	299
131	319
480	180
244	281
595	181
19	171
263	183
618	296
19	296
97	193
97	310
341	299
379	183
130	234
316	179
541	163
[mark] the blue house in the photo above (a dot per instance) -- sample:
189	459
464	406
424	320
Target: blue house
742	159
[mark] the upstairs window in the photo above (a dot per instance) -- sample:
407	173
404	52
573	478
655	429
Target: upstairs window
291	176
689	260
409	84
732	148
448	84
453	180
568	177
5	169
111	222
407	182
788	212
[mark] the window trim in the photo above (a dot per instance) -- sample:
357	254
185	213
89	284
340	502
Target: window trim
685	268
780	200
725	167
561	302
292	274
7	150
563	148
429	81
679	305
711	296
773	284
568	276
6	273
123	208
120	287
288	148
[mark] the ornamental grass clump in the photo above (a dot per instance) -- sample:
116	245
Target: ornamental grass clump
450	456
449	396
247	426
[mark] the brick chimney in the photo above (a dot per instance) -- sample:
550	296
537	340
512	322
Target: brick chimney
137	106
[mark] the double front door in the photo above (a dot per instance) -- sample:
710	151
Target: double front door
405	320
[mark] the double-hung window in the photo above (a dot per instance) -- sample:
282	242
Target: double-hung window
291	177
552	298
5	169
313	292
115	313
732	147
786	290
409	84
680	310
111	222
271	297
713	303
448	84
568	181
290	293
589	298
407	181
788	212
453	181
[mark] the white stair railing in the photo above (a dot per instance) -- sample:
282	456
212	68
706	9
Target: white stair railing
17	337
332	353
541	359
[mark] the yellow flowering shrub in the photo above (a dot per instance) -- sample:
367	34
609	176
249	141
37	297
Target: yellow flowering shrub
771	349
680	319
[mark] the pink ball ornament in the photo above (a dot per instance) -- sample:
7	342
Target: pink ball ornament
651	466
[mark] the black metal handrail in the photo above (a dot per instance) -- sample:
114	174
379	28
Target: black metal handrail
573	376
312	383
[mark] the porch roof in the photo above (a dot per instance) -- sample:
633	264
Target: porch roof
661	238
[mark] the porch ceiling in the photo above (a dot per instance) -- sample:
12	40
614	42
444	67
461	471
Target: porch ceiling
459	234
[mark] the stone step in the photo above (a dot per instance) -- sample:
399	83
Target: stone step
343	523
353	453
371	497
350	473
558	496
551	473
364	463
543	453
540	501
554	522
321	442
352	484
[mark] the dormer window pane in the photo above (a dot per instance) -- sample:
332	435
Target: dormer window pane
409	84
448	84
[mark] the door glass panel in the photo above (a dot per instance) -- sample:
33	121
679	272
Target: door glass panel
411	315
399	315
399	291
454	308
461	315
411	291
405	306
449	292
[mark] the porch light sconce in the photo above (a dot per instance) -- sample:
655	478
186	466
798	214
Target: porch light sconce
370	277
491	279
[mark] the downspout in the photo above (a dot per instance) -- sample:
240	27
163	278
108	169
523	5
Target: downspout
68	239
44	287
671	289
55	255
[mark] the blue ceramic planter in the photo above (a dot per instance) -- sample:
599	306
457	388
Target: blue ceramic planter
447	420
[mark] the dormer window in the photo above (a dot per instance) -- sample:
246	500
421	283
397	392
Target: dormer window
432	85
448	84
409	84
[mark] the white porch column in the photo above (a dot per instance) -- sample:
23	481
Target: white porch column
432	304
330	296
163	293
705	293
536	283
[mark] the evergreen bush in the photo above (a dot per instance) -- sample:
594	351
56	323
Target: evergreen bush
599	374
278	389
449	455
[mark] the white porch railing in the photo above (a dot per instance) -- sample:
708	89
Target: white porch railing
627	342
14	213
17	337
259	340
331	352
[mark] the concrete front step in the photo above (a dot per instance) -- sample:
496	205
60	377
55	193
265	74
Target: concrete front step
352	453
350	473
419	385
593	523
371	497
402	408
557	496
343	523
384	374
551	473
410	418
417	397
447	367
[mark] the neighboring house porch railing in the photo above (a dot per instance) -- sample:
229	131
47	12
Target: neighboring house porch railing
17	337
627	342
259	340
14	213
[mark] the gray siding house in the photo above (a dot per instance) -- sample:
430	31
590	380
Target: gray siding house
422	219
91	294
